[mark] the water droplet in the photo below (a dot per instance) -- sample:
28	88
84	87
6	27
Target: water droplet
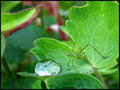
47	68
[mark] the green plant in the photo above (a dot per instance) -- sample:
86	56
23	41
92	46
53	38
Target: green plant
95	23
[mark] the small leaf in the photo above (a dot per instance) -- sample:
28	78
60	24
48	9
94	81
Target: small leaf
3	44
47	68
33	75
107	71
73	81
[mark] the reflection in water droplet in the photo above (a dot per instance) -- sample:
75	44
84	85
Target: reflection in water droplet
47	68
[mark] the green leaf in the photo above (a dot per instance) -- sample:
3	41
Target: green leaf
33	75
73	81
87	25
96	24
7	5
47	48
36	85
109	69
12	21
3	44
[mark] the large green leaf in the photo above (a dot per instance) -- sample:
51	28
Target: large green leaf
89	24
3	43
12	21
73	81
96	24
7	5
47	48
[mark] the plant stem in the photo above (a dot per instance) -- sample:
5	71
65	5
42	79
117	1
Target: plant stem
100	78
42	21
6	66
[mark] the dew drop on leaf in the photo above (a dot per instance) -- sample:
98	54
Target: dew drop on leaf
47	68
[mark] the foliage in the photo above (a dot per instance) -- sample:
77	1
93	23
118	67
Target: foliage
78	81
28	43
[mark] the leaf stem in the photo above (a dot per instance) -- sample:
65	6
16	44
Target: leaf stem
100	78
